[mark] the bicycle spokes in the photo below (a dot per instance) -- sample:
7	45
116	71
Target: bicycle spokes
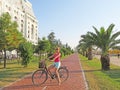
63	73
39	77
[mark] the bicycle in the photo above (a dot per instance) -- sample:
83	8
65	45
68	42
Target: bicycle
40	76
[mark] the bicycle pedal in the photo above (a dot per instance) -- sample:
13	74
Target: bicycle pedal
52	77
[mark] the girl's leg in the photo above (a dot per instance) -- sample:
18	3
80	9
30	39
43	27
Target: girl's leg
59	81
49	68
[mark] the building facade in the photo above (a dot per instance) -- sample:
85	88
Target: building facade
22	12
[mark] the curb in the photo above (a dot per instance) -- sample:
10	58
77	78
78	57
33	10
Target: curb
83	74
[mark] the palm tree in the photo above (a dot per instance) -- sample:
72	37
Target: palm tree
87	45
104	39
81	48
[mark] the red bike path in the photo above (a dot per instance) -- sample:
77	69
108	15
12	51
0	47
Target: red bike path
76	80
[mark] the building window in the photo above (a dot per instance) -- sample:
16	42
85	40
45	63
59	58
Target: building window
22	21
15	18
9	9
21	30
22	25
6	6
32	31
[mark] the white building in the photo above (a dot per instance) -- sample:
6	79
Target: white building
22	12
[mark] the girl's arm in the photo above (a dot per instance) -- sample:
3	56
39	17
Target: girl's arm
58	55
51	56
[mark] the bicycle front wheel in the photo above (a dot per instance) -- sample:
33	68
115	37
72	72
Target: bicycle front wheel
63	73
39	77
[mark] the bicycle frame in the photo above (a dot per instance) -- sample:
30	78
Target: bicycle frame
48	72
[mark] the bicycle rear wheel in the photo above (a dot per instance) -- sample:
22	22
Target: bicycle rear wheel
63	73
39	77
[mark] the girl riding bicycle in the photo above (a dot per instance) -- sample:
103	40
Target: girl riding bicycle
56	65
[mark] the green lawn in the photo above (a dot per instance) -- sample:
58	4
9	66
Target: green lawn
15	71
100	80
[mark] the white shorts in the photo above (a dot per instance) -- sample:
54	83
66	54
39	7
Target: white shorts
57	64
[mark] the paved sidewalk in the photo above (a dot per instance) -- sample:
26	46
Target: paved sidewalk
76	80
113	60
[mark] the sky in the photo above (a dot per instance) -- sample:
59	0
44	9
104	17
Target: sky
69	19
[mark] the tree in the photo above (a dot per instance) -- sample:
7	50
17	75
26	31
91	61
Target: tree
65	49
104	39
26	52
9	36
5	24
51	37
81	48
86	46
14	37
43	46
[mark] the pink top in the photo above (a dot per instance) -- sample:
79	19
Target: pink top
58	57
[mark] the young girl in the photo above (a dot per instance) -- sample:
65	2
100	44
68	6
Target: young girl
57	63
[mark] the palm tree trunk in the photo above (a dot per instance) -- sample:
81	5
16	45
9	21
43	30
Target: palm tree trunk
86	54
105	62
90	53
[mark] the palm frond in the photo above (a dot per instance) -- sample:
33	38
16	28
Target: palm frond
115	35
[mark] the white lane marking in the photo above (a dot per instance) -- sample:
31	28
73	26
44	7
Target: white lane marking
44	88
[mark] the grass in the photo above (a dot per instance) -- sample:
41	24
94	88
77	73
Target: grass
15	71
98	79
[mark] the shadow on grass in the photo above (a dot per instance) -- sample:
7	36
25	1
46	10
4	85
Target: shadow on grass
92	70
79	71
114	74
11	75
